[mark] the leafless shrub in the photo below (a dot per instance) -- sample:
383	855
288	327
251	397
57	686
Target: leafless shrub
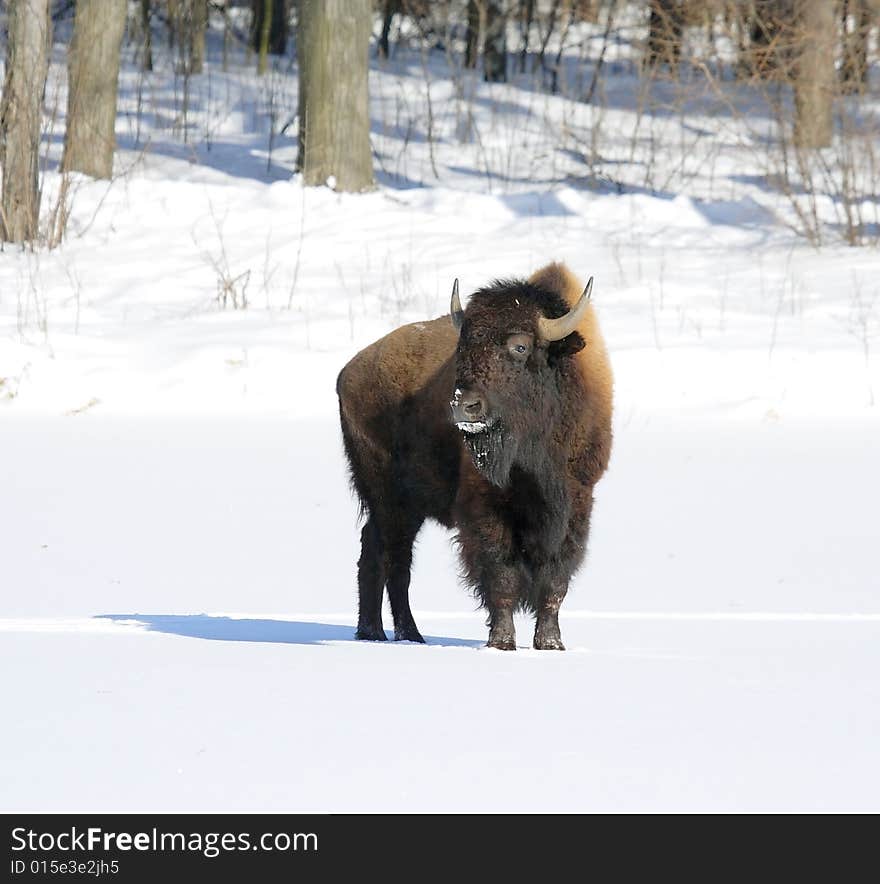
863	324
231	287
32	304
10	386
299	247
397	298
825	174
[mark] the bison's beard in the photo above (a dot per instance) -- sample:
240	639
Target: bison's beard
493	452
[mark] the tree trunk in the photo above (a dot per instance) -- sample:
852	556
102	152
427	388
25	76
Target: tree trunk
472	38
390	8
856	21
814	73
527	16
227	37
275	15
188	22
197	28
264	27
334	117
737	22
495	43
552	18
665	30
27	63
146	16
173	21
93	72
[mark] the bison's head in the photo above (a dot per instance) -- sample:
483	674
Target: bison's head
512	367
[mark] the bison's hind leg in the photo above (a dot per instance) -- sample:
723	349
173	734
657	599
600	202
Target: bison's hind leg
386	561
371	581
399	548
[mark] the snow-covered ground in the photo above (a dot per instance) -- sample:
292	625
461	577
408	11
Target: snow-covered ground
179	542
178	610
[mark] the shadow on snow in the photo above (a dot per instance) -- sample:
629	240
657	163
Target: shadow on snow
231	629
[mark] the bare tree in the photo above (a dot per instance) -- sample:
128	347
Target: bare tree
390	8
737	24
772	38
187	26
587	10
262	26
551	18
526	17
856	25
495	43
27	63
146	36
472	37
814	72
665	29
557	68
269	29
198	12
93	72
334	118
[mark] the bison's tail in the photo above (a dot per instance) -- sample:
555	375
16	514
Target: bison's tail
354	469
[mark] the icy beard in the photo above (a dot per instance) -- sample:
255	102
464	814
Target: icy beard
493	452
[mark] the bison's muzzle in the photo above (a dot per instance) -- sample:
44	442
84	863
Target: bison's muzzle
470	411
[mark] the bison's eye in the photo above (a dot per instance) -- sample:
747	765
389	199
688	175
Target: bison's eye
519	347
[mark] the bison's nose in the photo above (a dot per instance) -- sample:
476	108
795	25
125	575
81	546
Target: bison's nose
474	408
468	406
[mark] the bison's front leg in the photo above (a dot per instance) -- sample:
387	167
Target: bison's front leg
501	596
547	635
502	634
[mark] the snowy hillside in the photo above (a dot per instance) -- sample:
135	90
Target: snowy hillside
178	538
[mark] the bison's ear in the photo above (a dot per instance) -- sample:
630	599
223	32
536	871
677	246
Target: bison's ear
568	346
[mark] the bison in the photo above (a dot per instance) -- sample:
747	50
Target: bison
494	421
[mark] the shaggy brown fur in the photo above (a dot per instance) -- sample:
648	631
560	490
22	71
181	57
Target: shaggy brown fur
520	493
593	361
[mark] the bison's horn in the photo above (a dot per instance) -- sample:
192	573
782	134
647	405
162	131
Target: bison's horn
557	329
455	308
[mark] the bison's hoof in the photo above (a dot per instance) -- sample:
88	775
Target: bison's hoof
548	643
502	643
408	635
370	634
